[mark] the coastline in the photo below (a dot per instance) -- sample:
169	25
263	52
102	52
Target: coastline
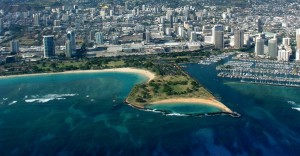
150	76
146	73
201	101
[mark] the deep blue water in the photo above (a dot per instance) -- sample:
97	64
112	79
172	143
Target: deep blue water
84	114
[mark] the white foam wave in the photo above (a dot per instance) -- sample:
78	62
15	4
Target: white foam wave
5	99
60	98
152	110
296	108
176	114
49	97
167	114
293	103
12	103
39	100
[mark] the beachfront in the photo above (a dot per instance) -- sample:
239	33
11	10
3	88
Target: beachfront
146	73
201	101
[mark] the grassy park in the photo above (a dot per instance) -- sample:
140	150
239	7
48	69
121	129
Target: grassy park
166	87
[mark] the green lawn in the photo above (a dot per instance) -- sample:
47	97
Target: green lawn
166	87
115	63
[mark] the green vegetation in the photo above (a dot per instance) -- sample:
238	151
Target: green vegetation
115	64
166	87
162	64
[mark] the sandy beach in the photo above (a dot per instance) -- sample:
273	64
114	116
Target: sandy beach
146	73
211	102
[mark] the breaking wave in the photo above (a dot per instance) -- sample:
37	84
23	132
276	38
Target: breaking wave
296	108
12	103
291	102
176	114
152	110
166	113
49	97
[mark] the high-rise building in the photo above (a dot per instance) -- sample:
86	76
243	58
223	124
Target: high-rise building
171	21
68	49
126	5
186	12
111	12
286	41
147	36
49	46
14	46
217	27
99	38
247	40
259	25
193	36
238	39
36	20
272	48
298	38
1	25
297	55
181	32
92	36
71	36
259	46
219	39
168	31
283	54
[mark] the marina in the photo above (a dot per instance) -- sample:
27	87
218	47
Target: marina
268	72
215	58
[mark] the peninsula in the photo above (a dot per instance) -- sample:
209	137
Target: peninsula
167	81
173	89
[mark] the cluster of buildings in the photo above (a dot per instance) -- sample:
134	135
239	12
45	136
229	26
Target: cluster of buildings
121	28
269	47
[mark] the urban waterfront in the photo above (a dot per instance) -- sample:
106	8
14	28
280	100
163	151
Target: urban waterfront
261	71
62	119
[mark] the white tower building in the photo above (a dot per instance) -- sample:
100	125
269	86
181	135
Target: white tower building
259	46
214	29
99	37
272	48
219	39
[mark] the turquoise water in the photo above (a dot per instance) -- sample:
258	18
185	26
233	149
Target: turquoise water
185	108
84	114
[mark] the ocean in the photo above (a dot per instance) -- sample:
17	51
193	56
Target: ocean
85	114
